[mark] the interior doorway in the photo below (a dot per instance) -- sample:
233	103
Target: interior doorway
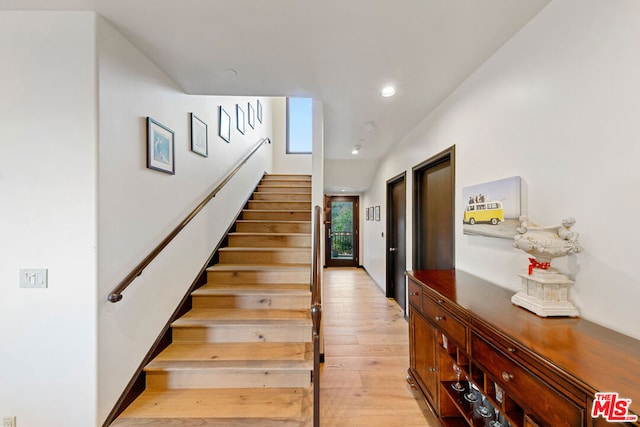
342	231
433	215
396	240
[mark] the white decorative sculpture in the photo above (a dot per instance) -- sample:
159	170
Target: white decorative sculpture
545	290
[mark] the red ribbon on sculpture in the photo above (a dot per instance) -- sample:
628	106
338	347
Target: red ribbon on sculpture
535	264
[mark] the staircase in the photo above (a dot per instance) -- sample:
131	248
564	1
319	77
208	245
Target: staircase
243	356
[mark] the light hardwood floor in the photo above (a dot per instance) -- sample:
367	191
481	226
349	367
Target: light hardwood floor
366	357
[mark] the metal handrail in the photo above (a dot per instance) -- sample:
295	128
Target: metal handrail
116	294
316	313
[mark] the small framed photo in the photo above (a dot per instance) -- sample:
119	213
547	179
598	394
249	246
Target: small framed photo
377	213
160	147
251	116
367	214
240	119
199	136
224	125
259	108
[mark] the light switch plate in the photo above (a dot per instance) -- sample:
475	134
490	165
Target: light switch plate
33	278
9	422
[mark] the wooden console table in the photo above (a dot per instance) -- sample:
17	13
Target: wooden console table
514	367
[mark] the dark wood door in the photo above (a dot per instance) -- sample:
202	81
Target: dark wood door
434	213
342	231
396	240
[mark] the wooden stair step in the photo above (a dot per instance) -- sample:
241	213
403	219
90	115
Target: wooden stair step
263	274
288	188
291	299
238	288
243	325
220	407
280	351
252	255
231	365
286	177
285	183
261	205
245	239
231	315
290	197
231	373
272	226
277	214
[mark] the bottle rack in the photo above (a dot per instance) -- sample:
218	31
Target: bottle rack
481	402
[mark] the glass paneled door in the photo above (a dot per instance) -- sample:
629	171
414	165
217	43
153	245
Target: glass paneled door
342	231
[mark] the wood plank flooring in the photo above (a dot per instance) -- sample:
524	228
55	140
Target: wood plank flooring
366	357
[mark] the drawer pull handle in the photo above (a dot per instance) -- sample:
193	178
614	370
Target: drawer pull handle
413	294
507	376
432	370
439	318
511	349
440	301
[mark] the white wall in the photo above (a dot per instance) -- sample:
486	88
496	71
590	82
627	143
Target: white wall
138	206
556	105
283	162
357	172
48	217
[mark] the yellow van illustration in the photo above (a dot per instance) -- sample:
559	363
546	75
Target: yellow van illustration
490	212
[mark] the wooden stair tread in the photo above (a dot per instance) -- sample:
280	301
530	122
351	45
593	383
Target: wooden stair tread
212	422
267	234
264	249
277	210
256	289
229	365
237	351
258	267
277	221
223	288
280	403
233	315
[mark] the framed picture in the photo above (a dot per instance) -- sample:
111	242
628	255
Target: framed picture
259	108
199	136
224	125
492	209
367	214
160	147
377	214
251	116
240	119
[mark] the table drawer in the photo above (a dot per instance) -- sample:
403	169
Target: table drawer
414	294
550	407
444	320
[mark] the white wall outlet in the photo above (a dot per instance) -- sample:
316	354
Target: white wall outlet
9	422
33	278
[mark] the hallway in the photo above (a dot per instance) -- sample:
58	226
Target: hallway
366	357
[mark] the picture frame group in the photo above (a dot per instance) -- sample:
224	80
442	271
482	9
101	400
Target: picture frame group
372	213
161	143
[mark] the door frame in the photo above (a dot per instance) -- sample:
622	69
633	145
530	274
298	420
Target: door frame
355	262
390	289
447	154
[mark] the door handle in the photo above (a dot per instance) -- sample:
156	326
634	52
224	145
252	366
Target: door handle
392	249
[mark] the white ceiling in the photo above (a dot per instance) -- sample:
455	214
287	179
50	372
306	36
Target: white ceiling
338	51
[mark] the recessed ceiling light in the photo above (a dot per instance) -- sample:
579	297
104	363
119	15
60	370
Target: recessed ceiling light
388	91
356	149
369	126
